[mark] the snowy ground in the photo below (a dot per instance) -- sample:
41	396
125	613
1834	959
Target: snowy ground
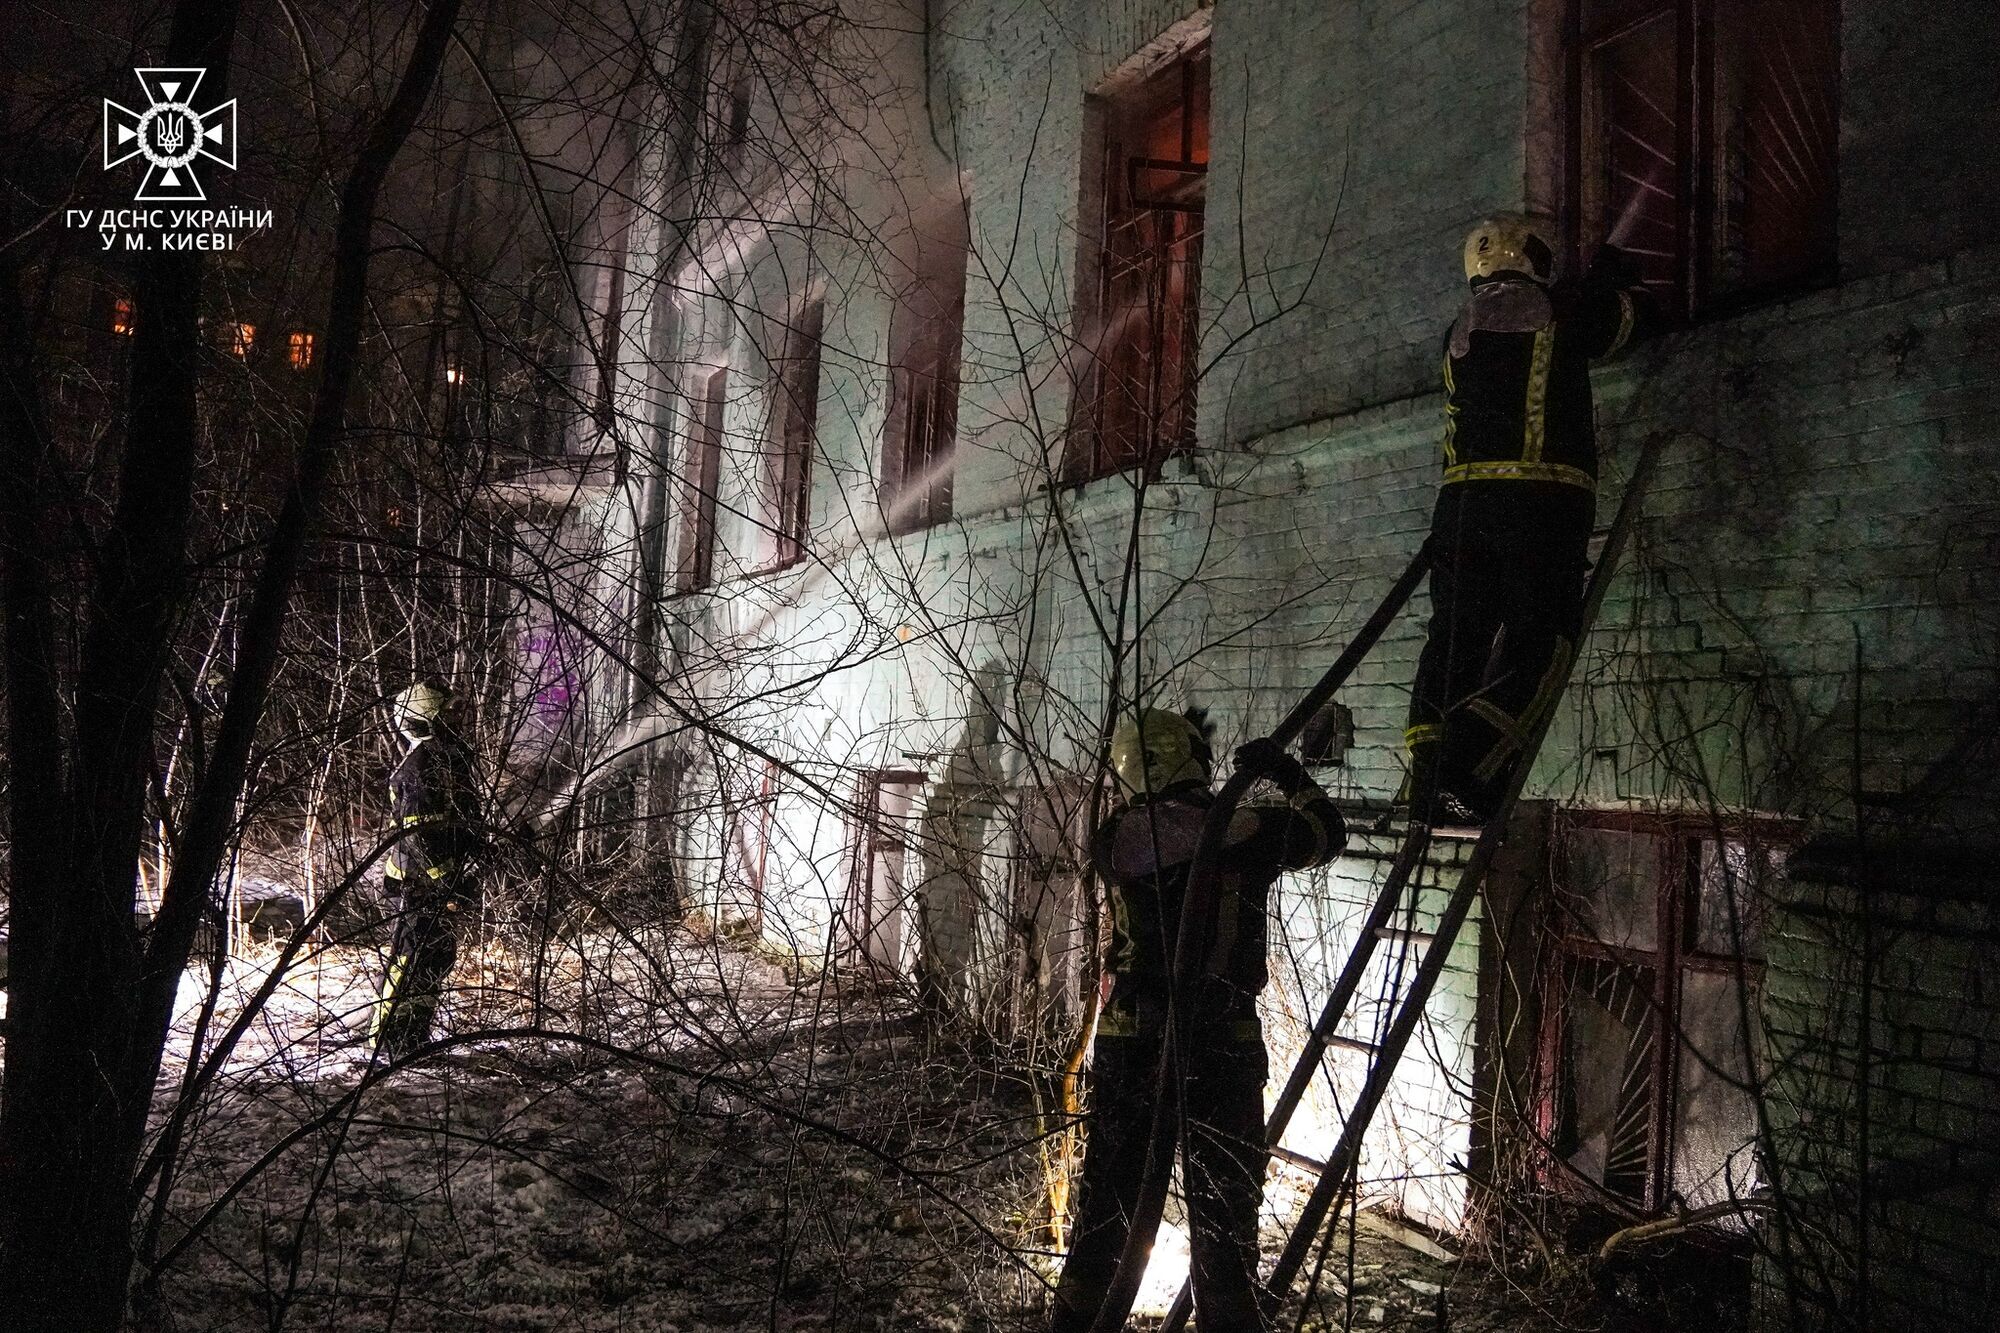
726	1149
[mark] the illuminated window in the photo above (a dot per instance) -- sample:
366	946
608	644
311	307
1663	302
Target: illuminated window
924	336
1704	143
453	375
1152	185
1658	948
299	349
121	316
242	337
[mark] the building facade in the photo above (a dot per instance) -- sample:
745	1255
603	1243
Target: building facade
996	369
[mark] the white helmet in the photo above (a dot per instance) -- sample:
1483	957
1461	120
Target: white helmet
420	707
1520	243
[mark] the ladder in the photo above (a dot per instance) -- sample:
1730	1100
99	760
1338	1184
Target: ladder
1331	1188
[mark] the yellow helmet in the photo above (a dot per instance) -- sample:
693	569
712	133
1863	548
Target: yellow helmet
1153	749
1523	243
420	707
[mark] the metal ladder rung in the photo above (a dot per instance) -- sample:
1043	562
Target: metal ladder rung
1401	933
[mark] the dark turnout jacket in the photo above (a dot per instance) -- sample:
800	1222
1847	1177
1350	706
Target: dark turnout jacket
1517	377
434	800
1142	853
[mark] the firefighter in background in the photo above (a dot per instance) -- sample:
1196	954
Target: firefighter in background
1511	530
1141	854
433	797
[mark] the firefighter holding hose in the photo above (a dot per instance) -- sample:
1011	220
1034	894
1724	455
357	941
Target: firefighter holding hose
433	795
1142	853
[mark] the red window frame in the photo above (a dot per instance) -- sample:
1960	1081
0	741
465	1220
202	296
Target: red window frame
1139	390
1703	137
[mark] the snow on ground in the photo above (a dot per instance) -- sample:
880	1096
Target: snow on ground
751	1156
716	1146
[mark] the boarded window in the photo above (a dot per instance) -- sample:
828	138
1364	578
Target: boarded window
1650	1011
1705	142
1139	390
793	428
701	475
925	333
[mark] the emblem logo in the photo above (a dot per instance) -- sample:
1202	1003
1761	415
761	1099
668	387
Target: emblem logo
170	134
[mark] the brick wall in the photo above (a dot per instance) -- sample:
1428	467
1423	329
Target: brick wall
1904	947
1822	516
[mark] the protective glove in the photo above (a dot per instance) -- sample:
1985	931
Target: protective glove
1266	758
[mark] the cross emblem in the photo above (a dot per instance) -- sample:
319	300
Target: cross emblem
170	134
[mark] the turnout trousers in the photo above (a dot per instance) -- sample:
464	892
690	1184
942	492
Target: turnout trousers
1507	578
420	959
1222	1164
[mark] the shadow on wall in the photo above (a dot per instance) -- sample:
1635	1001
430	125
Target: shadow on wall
952	835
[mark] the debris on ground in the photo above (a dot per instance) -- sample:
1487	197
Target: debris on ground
667	1136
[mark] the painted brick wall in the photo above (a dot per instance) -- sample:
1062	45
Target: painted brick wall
1825	499
1912	958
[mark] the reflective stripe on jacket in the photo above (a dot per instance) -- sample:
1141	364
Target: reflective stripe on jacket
1142	852
434	803
1517	379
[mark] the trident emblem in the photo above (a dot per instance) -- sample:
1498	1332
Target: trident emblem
170	134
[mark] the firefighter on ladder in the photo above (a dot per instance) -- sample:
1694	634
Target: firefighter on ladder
433	802
1141	854
1511	530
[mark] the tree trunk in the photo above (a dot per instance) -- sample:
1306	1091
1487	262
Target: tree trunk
90	1001
67	1149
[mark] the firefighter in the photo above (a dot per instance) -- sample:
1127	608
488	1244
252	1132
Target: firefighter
433	801
1513	518
1141	854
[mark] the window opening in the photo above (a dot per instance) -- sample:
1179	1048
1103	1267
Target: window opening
736	129
746	852
1705	142
880	916
703	476
1658	953
925	336
1153	188
794	427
